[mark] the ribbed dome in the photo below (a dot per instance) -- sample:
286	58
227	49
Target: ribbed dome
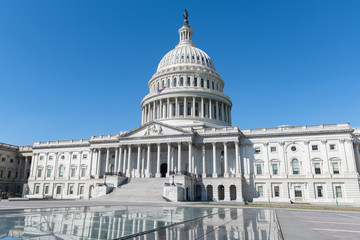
186	53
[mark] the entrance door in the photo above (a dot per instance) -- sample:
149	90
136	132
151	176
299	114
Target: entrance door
232	192
163	169
209	193
198	192
221	192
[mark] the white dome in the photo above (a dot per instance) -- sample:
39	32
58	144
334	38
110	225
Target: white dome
186	53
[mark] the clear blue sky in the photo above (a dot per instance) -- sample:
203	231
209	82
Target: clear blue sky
72	69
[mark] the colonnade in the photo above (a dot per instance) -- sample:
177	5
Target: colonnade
136	160
193	107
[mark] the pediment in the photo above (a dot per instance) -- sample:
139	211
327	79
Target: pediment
154	129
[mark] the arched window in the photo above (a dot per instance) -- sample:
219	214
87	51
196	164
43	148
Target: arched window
202	83
61	171
295	166
188	81
181	82
174	84
181	109
189	108
168	83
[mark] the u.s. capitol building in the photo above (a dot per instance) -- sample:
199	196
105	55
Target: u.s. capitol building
187	147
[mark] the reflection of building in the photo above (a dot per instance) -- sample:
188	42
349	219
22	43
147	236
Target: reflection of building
14	169
186	132
116	222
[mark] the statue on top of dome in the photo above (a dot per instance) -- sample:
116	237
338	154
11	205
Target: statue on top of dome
186	15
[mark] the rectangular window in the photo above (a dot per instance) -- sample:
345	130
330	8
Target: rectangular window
338	192
258	169
272	149
48	174
85	156
163	84
335	166
181	82
188	81
50	157
74	156
9	174
195	82
174	82
275	169
11	160
37	189
58	189
46	190
39	172
71	189
260	191
202	83
315	147
73	170
257	150
3	159
319	190
181	113
276	191
213	86
81	191
168	83
207	83
41	157
298	192
1	173
317	168
83	170
332	147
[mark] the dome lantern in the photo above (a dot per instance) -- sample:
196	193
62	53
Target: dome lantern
186	31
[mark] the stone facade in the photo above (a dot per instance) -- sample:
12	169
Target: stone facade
187	136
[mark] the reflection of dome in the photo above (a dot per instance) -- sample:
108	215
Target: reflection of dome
183	54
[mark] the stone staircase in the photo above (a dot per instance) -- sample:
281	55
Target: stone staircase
137	190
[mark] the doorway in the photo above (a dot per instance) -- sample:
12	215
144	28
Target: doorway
221	192
209	193
163	169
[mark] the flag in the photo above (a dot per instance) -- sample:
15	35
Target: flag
160	90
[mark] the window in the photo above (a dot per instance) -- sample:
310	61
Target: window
196	109
298	192
61	171
41	157
83	171
315	147
71	189
9	174
317	168
188	81
46	190
74	156
50	157
338	191
189	109
73	171
195	82
39	172
275	168
174	82
48	174
1	173
113	156
202	83
293	148
257	150
181	82
11	160
295	166
319	190
332	147
207	83
81	191
181	109
258	169
260	191
213	86
37	189
85	156
62	157
335	166
168	83
272	149
276	191
163	83
58	190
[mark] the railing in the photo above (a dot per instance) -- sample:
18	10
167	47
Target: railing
61	142
107	136
115	174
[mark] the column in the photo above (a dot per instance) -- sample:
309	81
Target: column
283	158
326	159
226	173
179	157
120	160
176	107
98	164
222	112
185	107
138	161
107	160
158	174
55	165
154	112
217	110
160	109
172	159
168	159
116	160
308	165
357	155
193	108
171	110
214	175
202	107
148	161
142	169
267	168
142	115
210	109
128	171
124	161
79	170
226	114
45	165
91	161
19	168
190	157
33	165
70	156
203	161
25	169
237	159
168	108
